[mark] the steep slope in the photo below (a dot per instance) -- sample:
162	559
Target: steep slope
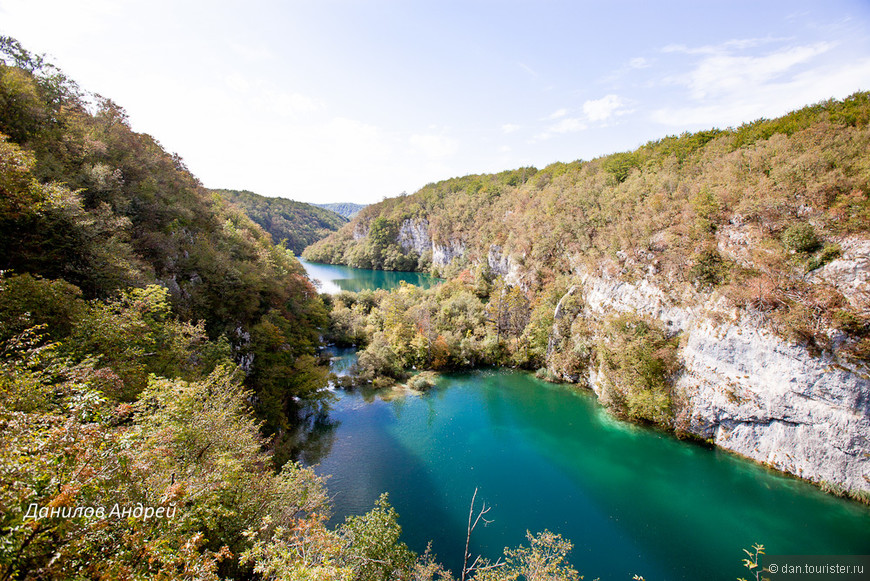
297	223
732	265
346	209
89	202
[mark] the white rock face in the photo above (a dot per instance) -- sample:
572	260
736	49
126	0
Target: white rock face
850	273
504	265
756	395
360	231
753	393
414	235
444	255
499	264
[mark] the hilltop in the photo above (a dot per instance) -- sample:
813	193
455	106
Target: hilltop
296	224
346	209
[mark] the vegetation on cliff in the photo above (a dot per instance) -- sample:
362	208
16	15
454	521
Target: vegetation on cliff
750	214
295	224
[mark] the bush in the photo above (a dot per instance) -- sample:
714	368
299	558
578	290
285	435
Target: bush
639	362
800	238
709	270
422	381
826	255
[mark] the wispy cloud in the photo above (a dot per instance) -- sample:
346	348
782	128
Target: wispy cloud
722	73
528	69
724	47
604	108
568	125
726	86
594	112
435	146
509	128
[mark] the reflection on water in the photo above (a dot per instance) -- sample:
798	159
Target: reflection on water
308	441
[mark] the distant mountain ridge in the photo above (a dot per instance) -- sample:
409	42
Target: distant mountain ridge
298	223
346	209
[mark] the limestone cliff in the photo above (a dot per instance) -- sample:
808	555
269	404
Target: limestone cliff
749	391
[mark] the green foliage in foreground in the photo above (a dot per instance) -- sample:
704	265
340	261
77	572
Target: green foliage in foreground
188	448
90	209
296	224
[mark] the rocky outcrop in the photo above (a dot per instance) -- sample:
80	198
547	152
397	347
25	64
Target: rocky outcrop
360	231
850	273
753	393
746	389
414	236
444	254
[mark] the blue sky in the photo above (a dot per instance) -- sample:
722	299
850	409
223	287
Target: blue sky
329	100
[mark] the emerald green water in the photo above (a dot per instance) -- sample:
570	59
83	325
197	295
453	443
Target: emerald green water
632	500
334	278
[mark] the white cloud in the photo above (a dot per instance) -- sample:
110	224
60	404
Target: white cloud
288	104
237	82
568	125
728	45
766	96
722	73
565	125
528	69
597	111
256	53
509	128
603	109
435	146
638	63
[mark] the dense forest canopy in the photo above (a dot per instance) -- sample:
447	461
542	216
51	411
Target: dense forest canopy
295	224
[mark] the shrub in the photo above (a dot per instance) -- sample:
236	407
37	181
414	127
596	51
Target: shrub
826	255
639	362
800	238
709	270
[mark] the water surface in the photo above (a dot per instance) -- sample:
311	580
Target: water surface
336	278
633	500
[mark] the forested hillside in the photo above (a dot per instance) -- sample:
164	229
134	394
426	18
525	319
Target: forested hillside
751	212
690	283
151	337
295	223
347	209
140	317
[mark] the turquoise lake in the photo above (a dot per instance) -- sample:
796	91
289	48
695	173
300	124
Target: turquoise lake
633	500
335	278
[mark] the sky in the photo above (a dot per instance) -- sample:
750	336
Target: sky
353	101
